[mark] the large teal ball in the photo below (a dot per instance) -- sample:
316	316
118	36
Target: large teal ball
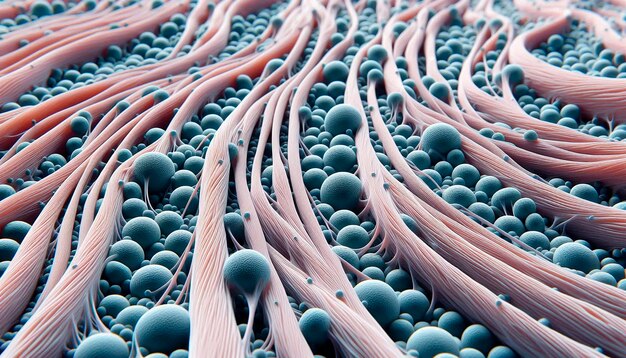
164	329
479	337
353	236
149	278
247	270
155	169
129	316
127	252
142	230
342	118
8	248
441	138
380	300
341	191
576	256
102	345
414	303
315	325
430	341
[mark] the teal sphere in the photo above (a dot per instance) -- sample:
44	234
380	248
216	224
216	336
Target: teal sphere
535	239
343	218
102	345
130	315
576	256
163	329
341	191
114	304
414	303
459	194
341	118
185	196
441	138
142	230
149	278
177	241
247	270
315	325
155	169
380	300
168	222
353	236
8	248
16	230
430	341
127	252
340	157
478	337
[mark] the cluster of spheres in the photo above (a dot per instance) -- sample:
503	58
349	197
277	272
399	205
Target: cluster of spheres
371	178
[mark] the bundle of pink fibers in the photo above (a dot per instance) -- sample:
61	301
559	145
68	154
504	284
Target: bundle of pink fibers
312	178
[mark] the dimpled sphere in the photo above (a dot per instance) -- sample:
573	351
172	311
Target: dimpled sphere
468	173
341	191
142	230
233	222
585	191
314	178
501	352
353	236
79	125
452	322
524	207
340	157
247	270
439	90
489	185
168	222
315	324
133	208
154	168
419	158
477	336
440	137
41	8
149	278
377	53
114	304
343	218
484	211
347	254
414	303
459	194
127	252
430	341
185	197
535	239
164	329
471	353
6	191
102	345
505	198
576	256
16	230
8	248
508	223
514	73
177	241
129	316
342	118
380	300
116	273
336	71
